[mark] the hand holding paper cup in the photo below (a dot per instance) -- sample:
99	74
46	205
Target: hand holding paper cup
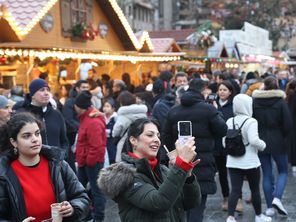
55	212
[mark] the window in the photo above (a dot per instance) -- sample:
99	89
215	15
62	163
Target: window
78	12
75	12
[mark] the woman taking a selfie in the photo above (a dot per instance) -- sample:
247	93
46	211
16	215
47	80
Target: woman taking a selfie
146	190
34	177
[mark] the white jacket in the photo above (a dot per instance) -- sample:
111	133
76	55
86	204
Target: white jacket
242	109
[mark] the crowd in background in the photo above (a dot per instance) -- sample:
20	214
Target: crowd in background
90	120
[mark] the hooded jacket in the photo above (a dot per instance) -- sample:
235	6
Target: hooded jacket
242	109
126	115
65	183
141	196
207	124
274	119
91	141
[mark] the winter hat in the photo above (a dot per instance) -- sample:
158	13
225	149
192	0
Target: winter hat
250	75
83	100
111	101
37	84
3	102
158	87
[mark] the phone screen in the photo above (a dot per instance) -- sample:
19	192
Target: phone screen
184	128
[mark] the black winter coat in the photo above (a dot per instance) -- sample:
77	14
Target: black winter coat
65	183
274	119
207	124
71	119
292	135
54	132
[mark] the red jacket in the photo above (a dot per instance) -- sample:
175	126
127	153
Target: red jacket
91	142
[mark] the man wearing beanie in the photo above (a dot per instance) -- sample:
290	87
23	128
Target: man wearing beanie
90	150
37	102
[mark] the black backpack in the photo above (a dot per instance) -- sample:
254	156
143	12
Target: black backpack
234	142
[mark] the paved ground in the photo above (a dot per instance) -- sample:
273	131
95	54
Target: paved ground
215	214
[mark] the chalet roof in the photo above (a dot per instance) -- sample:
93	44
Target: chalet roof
23	15
179	35
20	16
145	41
165	45
217	50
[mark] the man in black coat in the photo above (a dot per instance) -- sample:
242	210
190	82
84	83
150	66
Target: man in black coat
207	123
37	102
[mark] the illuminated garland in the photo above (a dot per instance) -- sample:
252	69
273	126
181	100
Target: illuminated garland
62	55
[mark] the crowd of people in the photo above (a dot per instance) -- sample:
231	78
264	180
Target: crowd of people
104	138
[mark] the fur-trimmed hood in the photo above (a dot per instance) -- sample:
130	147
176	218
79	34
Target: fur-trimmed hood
269	94
116	178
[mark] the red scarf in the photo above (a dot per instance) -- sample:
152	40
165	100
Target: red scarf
152	162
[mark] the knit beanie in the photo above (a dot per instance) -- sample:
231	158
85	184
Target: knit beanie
37	84
83	100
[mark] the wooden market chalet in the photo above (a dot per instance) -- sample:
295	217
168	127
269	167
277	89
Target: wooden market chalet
38	35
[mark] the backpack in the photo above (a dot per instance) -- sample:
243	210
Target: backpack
234	141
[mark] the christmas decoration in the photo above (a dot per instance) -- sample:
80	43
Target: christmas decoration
86	32
206	39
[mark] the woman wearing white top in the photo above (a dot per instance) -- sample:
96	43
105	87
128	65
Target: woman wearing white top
247	165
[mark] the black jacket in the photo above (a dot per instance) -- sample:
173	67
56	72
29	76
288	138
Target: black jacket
54	132
227	112
292	135
274	119
71	119
207	124
65	183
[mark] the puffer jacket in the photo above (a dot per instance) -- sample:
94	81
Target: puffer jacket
207	124
141	196
274	119
65	183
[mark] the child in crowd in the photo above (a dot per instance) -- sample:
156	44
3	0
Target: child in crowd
110	117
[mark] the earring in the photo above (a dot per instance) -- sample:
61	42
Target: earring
15	151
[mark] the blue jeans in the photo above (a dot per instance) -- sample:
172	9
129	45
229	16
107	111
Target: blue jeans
90	174
273	188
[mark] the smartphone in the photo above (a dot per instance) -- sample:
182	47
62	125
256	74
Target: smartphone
184	131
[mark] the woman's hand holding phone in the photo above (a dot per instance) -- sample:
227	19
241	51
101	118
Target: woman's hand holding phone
186	151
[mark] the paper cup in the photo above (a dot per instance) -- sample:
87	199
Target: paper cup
55	214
